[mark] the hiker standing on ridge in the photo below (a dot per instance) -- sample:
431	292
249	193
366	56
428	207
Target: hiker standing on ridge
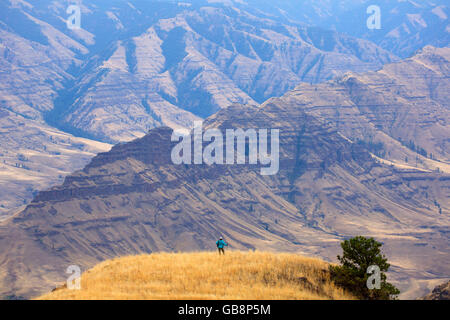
220	244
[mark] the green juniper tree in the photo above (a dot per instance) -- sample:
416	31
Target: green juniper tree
360	253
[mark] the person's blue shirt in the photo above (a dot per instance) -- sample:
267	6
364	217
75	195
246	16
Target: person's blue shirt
220	244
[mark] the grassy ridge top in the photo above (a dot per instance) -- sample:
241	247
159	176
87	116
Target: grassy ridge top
206	275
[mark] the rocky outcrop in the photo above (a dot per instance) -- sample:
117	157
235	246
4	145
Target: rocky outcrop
441	292
400	112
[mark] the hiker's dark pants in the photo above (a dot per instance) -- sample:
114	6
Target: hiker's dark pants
221	251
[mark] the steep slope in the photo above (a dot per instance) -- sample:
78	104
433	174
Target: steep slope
135	65
133	199
200	61
243	275
406	26
400	112
35	156
140	64
34	62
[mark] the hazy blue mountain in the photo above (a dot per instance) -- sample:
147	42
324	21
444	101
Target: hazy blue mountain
139	64
406	26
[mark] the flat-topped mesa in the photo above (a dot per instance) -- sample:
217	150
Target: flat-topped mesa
305	143
154	148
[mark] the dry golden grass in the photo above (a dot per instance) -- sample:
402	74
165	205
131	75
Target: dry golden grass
237	275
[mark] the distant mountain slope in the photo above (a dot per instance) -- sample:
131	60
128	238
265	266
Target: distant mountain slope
135	65
116	81
401	112
406	26
35	156
199	61
133	199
